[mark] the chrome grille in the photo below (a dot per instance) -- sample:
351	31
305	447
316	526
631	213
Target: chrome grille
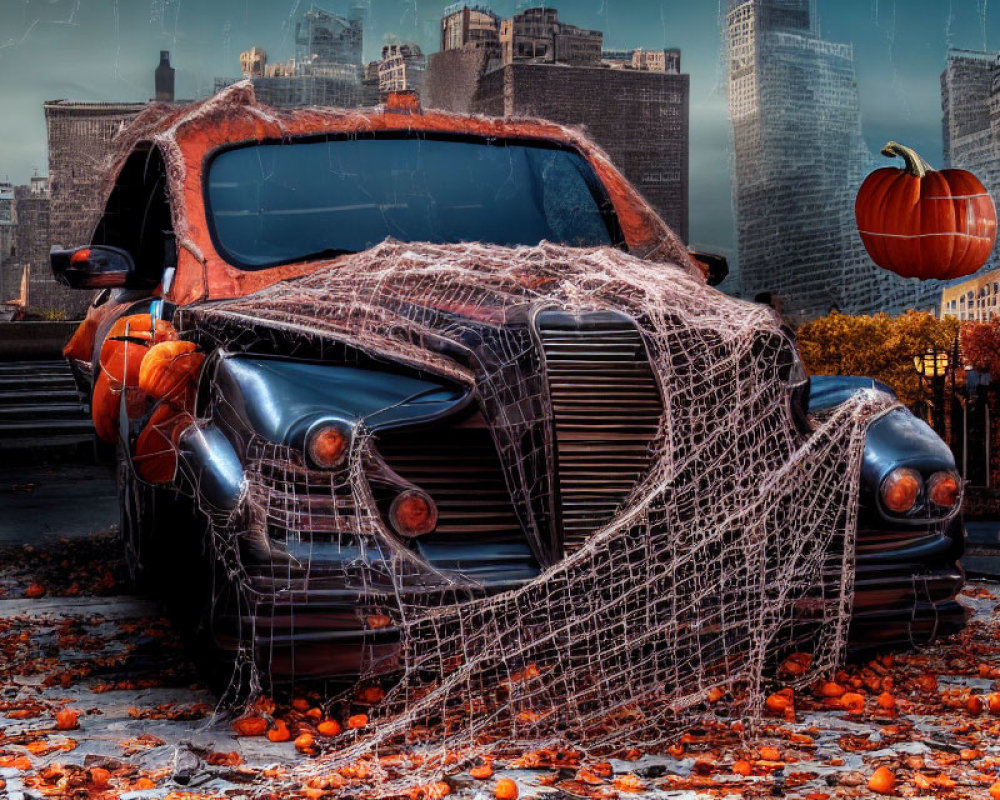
606	410
460	469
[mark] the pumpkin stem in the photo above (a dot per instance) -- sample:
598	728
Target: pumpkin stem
915	165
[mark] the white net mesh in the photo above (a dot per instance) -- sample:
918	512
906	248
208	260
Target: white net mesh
732	548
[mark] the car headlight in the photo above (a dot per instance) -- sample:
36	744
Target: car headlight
900	489
944	489
413	513
327	443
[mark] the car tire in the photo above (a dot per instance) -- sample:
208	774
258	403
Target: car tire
167	555
158	530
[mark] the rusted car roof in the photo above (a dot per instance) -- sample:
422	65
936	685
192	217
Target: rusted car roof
187	135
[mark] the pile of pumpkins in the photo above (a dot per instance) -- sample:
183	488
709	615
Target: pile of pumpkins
145	365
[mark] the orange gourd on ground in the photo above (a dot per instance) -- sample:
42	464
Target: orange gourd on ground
250	726
279	733
156	446
505	789
923	223
67	719
882	781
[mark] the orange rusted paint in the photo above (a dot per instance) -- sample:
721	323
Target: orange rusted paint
191	134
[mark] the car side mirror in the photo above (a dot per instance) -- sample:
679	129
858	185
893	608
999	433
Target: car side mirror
95	267
717	266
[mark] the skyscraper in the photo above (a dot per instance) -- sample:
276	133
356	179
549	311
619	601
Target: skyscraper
798	160
970	106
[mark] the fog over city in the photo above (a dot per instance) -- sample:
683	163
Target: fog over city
106	50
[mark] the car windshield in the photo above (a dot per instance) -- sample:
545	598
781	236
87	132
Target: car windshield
276	203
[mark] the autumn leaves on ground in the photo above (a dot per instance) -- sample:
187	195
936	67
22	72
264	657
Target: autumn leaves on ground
97	699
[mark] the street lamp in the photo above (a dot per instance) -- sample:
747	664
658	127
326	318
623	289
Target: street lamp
933	365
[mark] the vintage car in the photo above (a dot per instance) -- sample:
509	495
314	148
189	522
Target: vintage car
230	201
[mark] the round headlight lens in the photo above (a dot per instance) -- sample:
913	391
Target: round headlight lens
944	489
900	489
413	513
327	444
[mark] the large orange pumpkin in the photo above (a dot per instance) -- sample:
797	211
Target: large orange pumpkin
119	363
169	369
923	223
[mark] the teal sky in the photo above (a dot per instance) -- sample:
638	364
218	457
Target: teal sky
107	49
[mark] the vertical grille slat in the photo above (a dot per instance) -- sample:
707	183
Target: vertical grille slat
606	410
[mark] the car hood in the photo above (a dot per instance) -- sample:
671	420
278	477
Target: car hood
466	312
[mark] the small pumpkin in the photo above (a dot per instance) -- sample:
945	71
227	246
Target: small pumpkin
329	727
156	446
924	223
882	781
67	719
250	726
279	733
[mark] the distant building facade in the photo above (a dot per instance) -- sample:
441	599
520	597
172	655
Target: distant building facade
650	60
973	299
799	158
79	136
970	120
7	284
327	69
469	26
32	241
253	62
164	79
537	34
322	39
402	68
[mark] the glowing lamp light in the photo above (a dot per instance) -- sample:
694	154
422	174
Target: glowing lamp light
933	363
80	256
900	489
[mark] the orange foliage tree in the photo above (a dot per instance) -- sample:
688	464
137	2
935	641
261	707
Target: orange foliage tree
980	343
877	346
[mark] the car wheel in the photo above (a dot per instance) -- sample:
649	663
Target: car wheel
164	538
158	529
223	652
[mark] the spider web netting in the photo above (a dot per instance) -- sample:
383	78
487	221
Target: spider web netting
731	545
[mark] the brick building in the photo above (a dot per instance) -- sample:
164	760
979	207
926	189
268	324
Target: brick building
639	117
537	34
80	137
465	26
32	236
453	78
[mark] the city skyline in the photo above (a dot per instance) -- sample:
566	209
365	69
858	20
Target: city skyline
104	50
798	158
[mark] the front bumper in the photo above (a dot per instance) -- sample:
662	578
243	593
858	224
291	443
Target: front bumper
906	582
